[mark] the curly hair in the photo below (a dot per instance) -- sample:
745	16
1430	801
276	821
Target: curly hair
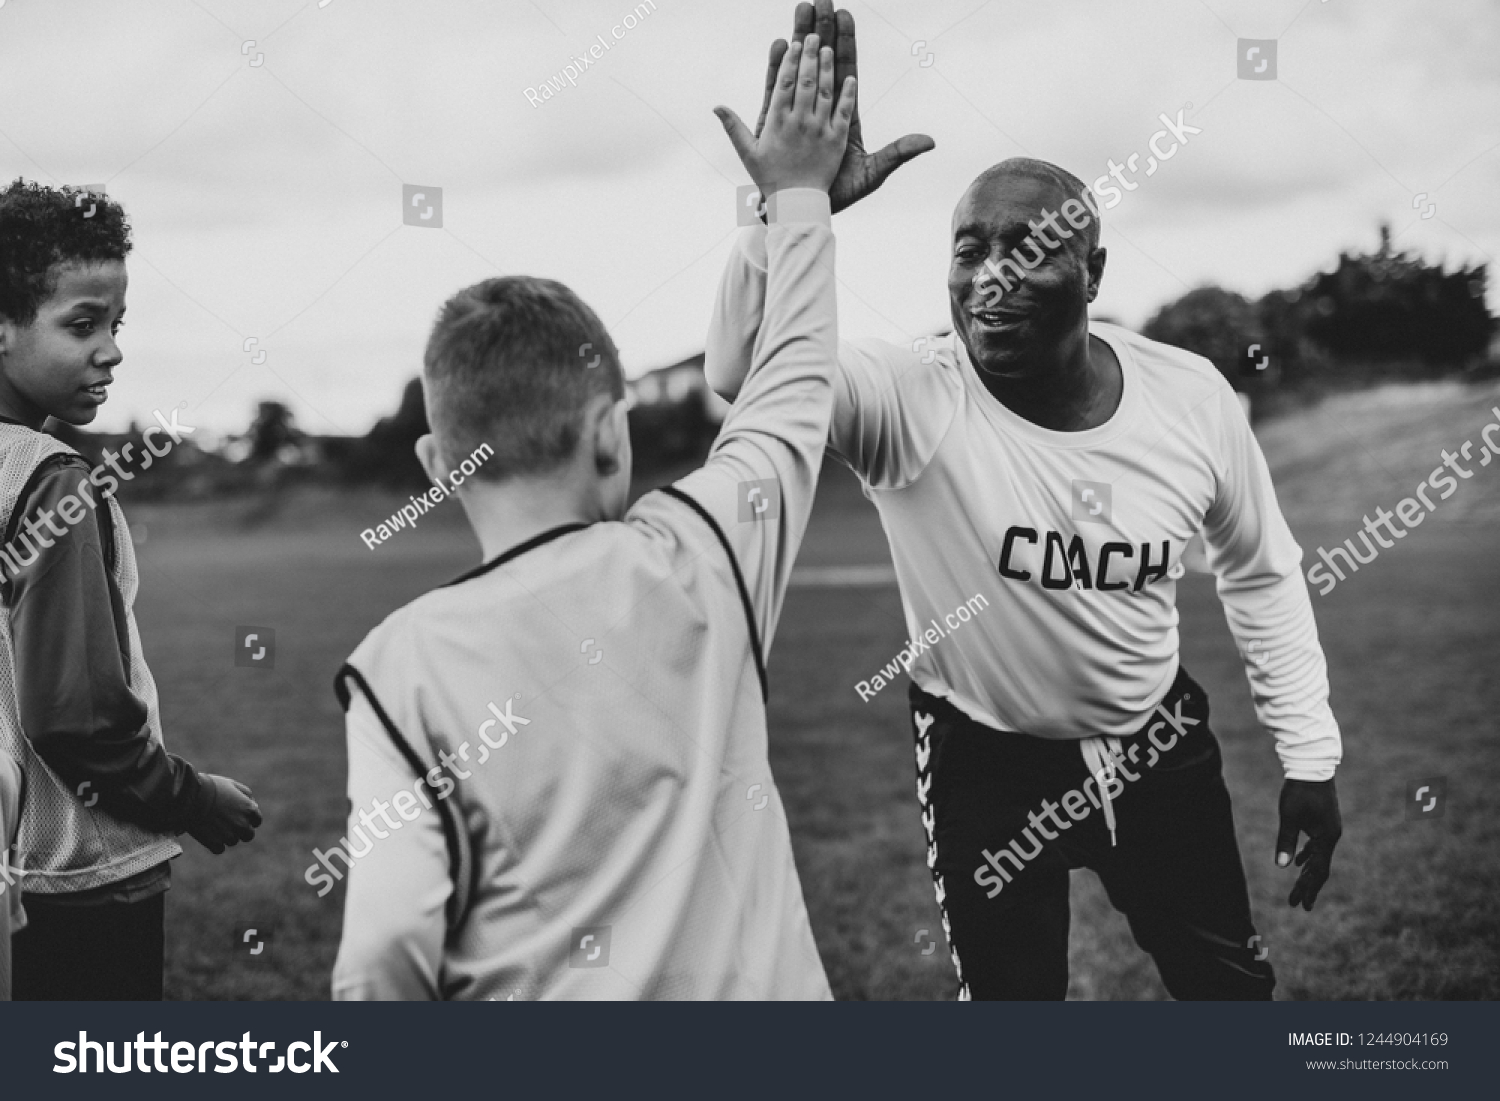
42	227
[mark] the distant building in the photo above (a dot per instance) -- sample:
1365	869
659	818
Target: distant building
674	416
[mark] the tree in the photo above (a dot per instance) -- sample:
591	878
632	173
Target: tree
1392	306
272	429
387	454
1217	324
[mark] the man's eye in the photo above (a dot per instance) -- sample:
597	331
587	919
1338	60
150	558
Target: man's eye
116	327
83	326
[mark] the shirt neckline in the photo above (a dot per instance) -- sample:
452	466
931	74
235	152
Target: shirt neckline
516	551
1118	421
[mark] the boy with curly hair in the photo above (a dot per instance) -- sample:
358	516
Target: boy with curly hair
103	798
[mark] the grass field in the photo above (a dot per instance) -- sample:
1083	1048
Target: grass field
1412	910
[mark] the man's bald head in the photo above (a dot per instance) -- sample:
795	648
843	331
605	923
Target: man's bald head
1067	185
1026	263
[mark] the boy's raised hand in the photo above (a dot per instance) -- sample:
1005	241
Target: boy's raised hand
861	172
803	140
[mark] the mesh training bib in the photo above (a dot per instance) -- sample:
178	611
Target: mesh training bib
64	844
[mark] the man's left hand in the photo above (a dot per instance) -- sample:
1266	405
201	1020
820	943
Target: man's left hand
1312	808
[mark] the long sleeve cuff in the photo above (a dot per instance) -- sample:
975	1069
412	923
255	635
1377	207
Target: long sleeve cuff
799	204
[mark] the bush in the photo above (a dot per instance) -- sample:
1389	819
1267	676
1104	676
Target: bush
1217	324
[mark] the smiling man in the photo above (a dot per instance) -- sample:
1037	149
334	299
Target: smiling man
1060	468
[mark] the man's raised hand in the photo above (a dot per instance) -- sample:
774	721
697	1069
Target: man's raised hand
860	173
803	135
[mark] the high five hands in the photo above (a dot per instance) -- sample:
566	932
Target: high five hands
803	136
859	173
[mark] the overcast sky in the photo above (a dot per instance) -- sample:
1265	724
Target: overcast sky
264	181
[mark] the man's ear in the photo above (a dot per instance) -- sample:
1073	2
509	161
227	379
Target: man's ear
432	460
606	422
1097	260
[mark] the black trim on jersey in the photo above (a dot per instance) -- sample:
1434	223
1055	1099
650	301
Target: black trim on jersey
450	827
516	552
739	580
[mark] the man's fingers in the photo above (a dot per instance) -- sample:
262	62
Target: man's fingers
1316	860
1286	842
845	52
804	22
1309	883
773	66
893	156
823	21
739	134
844	115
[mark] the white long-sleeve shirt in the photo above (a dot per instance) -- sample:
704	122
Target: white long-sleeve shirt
599	818
1073	539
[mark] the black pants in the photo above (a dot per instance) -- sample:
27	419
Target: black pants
111	952
990	800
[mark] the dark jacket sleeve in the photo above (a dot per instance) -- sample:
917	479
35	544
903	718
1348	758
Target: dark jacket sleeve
72	646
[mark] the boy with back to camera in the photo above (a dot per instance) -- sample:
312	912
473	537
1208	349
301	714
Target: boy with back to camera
572	736
78	706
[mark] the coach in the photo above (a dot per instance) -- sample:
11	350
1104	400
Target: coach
1061	468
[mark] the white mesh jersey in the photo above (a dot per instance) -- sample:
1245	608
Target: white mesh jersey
599	819
1074	539
68	845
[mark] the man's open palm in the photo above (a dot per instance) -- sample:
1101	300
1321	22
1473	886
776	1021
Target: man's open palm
860	173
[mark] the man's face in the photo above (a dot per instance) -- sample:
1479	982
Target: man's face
61	363
1008	332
